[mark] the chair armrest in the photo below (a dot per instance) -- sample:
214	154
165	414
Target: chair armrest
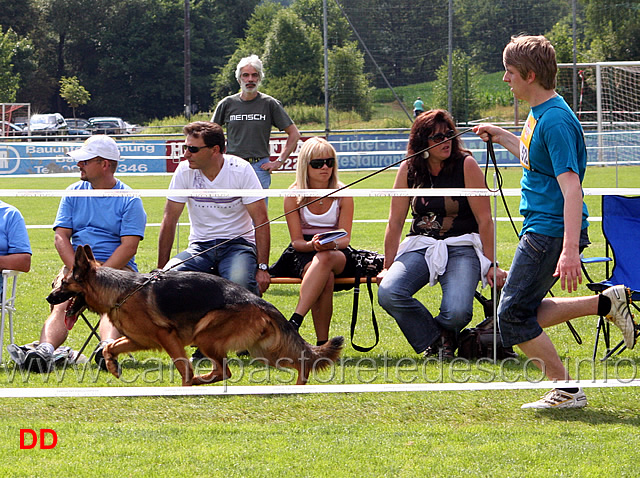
594	260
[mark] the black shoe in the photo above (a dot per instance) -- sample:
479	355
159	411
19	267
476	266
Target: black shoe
38	361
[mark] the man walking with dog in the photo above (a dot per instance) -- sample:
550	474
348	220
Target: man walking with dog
553	155
222	240
112	226
249	116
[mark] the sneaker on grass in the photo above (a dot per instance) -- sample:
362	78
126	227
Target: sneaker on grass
620	315
557	398
38	361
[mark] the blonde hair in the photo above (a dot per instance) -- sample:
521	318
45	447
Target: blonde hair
314	148
529	53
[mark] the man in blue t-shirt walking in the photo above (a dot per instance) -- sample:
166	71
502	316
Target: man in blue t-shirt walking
553	155
112	226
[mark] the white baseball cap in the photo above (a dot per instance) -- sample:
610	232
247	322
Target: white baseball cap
97	145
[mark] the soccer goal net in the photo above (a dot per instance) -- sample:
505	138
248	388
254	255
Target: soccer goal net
607	102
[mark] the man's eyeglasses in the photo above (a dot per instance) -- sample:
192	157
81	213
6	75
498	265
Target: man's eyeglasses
318	163
442	136
193	149
87	161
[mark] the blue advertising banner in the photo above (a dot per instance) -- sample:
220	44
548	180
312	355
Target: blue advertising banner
355	151
146	156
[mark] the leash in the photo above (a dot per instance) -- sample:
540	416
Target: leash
158	273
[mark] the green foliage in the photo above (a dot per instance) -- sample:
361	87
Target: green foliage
293	52
465	92
9	80
348	86
73	93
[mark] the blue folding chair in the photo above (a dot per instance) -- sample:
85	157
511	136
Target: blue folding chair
621	229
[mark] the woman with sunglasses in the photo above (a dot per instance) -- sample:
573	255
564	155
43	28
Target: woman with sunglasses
315	263
450	240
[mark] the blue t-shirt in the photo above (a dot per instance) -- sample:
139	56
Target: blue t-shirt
13	231
101	221
552	143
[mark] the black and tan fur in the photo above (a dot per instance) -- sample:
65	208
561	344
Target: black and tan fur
178	309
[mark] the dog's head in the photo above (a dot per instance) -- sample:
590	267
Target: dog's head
73	285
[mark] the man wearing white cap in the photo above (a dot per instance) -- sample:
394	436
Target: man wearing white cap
112	226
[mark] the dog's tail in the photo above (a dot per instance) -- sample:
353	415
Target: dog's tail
325	355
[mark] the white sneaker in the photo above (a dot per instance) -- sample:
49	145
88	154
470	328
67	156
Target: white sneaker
557	398
620	315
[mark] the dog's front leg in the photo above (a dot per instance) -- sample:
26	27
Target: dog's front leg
115	348
170	342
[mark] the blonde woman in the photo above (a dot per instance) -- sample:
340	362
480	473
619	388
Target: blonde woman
316	264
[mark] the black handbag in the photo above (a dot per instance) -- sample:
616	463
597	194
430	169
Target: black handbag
366	264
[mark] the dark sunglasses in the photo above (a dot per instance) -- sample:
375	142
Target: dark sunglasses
442	136
318	163
193	149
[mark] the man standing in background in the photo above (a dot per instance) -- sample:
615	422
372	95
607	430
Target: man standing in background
249	116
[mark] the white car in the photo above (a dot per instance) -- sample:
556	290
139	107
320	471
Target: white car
47	124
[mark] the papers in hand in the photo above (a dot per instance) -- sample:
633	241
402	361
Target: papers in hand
330	236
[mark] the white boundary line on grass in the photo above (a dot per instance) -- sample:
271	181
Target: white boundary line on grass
225	390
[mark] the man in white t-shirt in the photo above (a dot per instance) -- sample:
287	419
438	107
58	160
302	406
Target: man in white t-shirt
222	239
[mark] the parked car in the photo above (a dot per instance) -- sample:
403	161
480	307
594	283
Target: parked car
47	124
78	126
133	128
107	125
10	129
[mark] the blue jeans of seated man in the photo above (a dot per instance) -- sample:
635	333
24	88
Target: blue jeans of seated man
235	260
410	273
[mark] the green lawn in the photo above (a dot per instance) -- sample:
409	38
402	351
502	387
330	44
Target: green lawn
480	433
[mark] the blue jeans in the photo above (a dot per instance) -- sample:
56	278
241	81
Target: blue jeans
263	176
409	273
236	260
530	278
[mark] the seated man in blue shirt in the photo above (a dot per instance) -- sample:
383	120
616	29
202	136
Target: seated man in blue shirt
112	226
15	249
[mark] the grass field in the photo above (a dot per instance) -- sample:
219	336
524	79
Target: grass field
405	434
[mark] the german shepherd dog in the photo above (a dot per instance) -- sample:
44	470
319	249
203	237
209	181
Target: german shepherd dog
177	309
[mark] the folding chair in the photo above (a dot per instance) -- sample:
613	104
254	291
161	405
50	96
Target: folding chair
8	299
93	332
621	230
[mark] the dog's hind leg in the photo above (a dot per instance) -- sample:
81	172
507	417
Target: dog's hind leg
219	372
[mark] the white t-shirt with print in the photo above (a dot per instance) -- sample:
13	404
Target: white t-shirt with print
218	217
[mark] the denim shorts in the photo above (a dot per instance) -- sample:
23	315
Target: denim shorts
530	278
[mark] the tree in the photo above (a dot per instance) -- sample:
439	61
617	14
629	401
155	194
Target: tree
348	85
73	93
293	61
9	80
465	92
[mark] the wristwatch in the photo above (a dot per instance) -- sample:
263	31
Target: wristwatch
263	267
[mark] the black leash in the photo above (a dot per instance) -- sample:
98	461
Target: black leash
491	154
156	274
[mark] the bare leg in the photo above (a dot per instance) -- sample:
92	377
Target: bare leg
54	331
322	311
316	277
107	330
541	348
556	310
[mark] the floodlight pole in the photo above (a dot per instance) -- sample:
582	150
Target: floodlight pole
326	67
187	60
450	78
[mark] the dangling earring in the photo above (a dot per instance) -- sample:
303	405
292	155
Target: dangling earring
425	155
